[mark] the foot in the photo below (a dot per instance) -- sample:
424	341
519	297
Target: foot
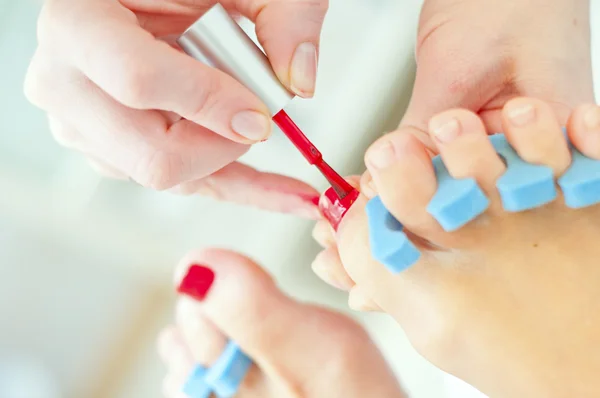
298	350
509	303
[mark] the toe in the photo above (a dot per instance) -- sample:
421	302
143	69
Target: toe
174	351
532	128
328	266
466	149
584	130
359	300
367	186
204	340
244	303
323	234
404	178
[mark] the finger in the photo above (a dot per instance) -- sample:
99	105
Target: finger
105	170
144	145
242	184
107	44
328	266
289	31
65	134
449	77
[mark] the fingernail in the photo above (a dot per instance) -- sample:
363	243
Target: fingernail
591	119
197	282
444	128
250	124
304	70
520	115
333	208
381	155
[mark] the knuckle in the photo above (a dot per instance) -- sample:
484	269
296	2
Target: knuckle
205	99
134	81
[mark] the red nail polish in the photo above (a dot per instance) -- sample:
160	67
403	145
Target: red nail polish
316	200
333	208
196	282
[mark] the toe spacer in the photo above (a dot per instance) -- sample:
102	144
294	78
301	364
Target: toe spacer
389	245
580	184
456	201
196	386
228	372
523	186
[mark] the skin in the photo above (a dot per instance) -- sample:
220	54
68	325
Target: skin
115	90
478	55
324	355
508	303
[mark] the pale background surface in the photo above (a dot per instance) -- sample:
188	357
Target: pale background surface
85	263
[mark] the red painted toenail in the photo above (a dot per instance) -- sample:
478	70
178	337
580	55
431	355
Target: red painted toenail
333	208
197	281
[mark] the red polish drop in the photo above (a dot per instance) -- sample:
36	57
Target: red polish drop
197	282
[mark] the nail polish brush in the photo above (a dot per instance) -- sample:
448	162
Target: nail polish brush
217	40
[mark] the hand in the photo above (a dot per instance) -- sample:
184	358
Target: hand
141	109
478	54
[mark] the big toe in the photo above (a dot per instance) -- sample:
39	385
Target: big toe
294	344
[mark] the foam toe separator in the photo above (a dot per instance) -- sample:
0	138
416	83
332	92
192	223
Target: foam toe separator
523	186
196	386
580	184
389	244
456	201
228	372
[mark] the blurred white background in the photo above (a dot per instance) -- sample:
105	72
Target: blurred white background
85	263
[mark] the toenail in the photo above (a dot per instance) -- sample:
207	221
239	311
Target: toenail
196	282
521	115
591	118
445	129
382	155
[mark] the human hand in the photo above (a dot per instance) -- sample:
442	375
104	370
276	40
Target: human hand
478	55
509	302
139	108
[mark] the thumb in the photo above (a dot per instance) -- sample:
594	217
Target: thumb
289	32
448	77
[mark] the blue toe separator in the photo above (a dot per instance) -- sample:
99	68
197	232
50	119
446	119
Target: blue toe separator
196	386
523	186
228	372
456	201
580	184
389	245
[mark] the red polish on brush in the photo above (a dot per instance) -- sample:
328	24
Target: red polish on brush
337	199
217	40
